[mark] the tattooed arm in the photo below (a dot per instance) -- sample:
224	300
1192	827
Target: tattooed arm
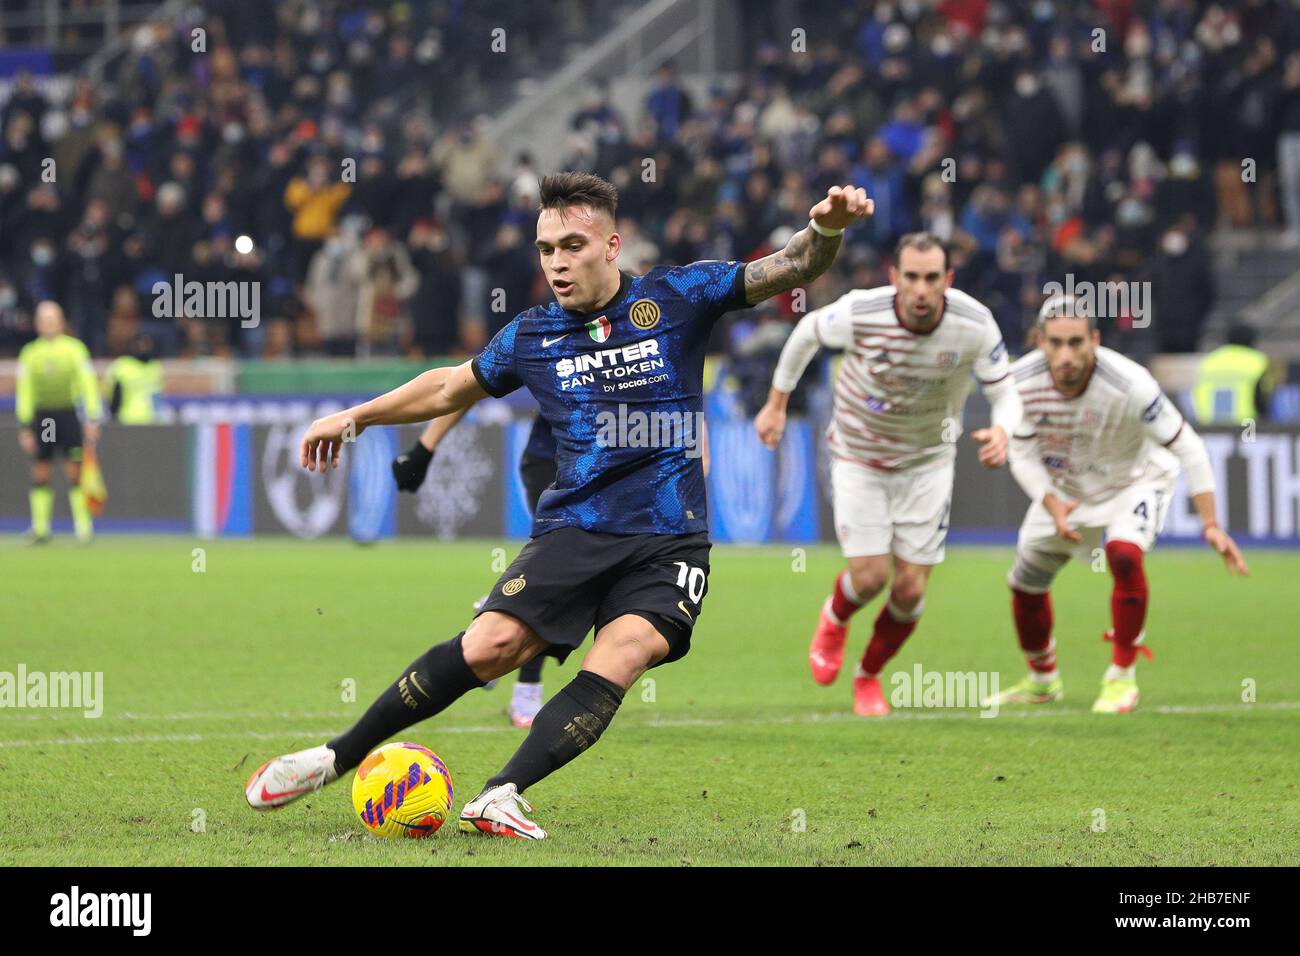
809	253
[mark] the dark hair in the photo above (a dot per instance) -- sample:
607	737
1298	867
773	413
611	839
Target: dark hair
1240	333
562	190
921	242
1062	306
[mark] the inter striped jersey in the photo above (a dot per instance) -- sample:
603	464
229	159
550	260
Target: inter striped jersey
638	361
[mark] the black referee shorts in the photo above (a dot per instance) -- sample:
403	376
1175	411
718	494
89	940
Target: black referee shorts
57	430
566	582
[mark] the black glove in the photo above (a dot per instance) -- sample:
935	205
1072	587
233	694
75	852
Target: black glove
410	467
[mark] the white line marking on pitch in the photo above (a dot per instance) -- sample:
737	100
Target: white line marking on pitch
815	718
72	714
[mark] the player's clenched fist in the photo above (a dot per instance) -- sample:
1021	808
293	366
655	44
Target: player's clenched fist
843	206
770	424
324	440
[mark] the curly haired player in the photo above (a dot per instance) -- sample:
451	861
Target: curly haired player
1097	454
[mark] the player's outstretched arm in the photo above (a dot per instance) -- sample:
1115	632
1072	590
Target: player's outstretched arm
829	326
410	467
1216	537
1190	449
434	393
1161	419
812	249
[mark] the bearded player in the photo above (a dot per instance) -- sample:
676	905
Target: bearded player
909	352
1097	454
620	541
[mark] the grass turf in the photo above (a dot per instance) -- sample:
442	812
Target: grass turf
732	756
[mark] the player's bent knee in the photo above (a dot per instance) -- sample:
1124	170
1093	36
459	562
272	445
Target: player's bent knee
907	592
625	649
869	579
496	640
1034	572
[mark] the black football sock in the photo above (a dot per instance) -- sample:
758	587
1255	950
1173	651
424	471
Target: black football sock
570	723
531	673
428	686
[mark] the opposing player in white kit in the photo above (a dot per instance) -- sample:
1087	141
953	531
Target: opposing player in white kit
909	351
1097	454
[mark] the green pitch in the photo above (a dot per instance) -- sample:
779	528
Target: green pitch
730	756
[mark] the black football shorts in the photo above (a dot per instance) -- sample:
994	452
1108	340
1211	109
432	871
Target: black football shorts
568	581
57	430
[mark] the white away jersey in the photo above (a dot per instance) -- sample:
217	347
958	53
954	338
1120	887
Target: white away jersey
899	394
1106	438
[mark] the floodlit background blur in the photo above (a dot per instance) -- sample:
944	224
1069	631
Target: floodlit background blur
369	171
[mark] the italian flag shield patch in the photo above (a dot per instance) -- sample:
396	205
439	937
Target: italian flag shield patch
599	329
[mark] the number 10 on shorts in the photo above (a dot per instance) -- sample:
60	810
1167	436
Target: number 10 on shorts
690	580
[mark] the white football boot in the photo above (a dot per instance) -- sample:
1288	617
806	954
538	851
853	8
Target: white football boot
525	702
497	812
289	777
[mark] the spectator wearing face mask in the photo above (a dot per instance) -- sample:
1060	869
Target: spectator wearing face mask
386	290
112	182
172	231
333	291
435	310
1182	291
40	275
1034	124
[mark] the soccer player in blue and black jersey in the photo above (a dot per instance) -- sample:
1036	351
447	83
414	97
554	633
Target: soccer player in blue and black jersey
620	540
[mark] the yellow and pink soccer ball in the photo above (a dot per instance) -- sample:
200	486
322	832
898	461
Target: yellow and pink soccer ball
402	790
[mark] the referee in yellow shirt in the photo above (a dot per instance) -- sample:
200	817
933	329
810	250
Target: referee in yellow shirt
54	373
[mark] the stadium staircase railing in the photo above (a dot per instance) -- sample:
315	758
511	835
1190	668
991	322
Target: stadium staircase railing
692	33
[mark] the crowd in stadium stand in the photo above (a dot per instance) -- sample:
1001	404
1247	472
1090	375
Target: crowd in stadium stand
1045	138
